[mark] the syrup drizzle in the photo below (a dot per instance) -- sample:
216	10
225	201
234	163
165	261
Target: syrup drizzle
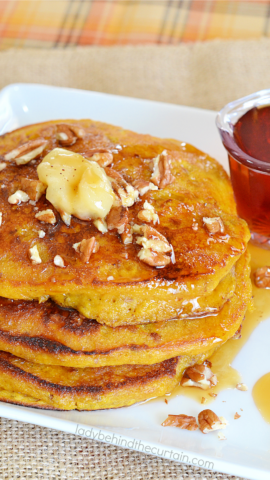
228	377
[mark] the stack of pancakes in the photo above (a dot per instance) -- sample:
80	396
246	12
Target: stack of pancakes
116	330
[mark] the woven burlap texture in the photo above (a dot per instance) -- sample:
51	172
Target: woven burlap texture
205	75
29	452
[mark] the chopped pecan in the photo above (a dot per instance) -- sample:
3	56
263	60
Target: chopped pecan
101	225
41	234
78	131
162	175
104	159
151	239
26	152
34	255
65	136
154	244
209	421
127	236
181	421
143	186
126	192
262	277
58	261
33	188
154	259
213	225
203	400
66	217
199	376
46	216
18	197
2	166
236	416
117	219
242	387
86	247
148	214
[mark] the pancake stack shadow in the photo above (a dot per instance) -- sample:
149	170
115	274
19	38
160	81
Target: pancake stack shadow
115	330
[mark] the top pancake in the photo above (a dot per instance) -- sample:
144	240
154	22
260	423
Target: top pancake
137	292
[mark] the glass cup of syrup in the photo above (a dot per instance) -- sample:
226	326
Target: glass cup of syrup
244	127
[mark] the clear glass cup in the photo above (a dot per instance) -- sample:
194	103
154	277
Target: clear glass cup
250	176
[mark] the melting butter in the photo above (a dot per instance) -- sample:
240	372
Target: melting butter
76	186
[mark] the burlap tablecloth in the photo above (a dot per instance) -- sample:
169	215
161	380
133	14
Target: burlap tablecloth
205	75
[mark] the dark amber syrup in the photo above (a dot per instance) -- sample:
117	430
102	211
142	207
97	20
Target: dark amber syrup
251	186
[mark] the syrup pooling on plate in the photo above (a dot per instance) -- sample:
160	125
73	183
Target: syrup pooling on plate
261	396
229	377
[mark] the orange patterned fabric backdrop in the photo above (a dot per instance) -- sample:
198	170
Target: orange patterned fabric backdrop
61	23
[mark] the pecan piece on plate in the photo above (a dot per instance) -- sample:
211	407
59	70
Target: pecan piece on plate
184	422
208	421
262	277
199	376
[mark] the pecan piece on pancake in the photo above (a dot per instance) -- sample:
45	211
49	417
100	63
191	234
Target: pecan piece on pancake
184	422
18	197
27	151
33	188
162	175
154	259
213	225
154	246
64	135
101	225
2	166
262	277
209	421
103	158
86	247
117	219
46	216
124	190
127	236
199	376
148	214
66	217
34	255
143	186
58	261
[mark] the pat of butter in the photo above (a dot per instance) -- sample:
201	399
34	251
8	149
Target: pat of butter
75	185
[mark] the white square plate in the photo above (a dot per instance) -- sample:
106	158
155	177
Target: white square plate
246	451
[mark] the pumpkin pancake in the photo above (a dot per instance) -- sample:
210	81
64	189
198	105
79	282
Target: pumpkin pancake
65	388
116	287
46	334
